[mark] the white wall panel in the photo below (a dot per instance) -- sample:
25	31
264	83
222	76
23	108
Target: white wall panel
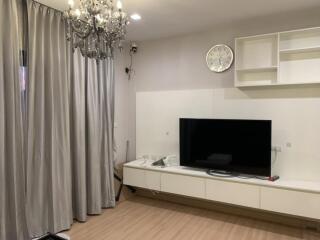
295	116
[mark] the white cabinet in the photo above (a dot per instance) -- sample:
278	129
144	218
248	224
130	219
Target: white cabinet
304	204
233	193
183	185
297	198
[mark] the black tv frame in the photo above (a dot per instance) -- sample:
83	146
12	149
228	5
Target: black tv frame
265	172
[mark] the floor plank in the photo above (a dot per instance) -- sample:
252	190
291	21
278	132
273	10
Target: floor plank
143	218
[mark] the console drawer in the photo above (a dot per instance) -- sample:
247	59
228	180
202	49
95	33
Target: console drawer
184	185
298	203
152	180
141	178
134	177
233	193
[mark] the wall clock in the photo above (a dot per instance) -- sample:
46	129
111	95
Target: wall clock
219	58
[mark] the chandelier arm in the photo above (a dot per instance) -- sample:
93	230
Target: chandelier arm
79	32
80	35
94	24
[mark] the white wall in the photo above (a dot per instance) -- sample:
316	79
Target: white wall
179	63
122	89
295	122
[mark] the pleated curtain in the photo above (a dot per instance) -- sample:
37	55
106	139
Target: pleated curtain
70	128
92	130
49	181
92	117
12	182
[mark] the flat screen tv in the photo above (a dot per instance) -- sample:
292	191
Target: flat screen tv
236	146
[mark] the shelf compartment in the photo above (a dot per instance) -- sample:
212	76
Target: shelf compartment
262	77
298	67
257	51
300	39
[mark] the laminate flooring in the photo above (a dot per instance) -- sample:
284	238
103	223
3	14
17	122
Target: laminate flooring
142	218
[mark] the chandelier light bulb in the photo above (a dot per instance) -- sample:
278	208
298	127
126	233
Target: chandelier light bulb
77	12
71	3
99	18
119	5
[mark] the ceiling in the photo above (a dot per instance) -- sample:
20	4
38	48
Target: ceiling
164	18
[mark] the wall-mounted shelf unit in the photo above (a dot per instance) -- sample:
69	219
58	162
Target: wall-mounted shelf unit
284	58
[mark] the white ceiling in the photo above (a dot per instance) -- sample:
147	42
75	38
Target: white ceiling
163	18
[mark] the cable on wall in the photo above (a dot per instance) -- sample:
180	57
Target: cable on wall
133	50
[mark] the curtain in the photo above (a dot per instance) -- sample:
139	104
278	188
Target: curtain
49	196
108	147
12	187
92	96
70	128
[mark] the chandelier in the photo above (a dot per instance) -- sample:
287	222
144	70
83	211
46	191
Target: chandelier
96	27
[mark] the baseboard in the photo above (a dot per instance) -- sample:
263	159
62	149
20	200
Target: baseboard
235	210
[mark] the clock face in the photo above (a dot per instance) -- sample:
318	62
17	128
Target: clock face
219	58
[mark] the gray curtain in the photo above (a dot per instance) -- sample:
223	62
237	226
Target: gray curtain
70	128
92	97
12	187
49	196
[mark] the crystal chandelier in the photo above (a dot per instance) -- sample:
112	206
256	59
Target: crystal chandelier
96	27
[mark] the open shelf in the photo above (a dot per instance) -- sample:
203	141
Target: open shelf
300	67
300	50
256	60
257	52
284	58
257	77
300	39
260	69
300	56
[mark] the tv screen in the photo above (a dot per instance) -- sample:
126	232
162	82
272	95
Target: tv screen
237	146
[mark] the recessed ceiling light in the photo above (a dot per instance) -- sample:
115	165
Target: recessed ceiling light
135	17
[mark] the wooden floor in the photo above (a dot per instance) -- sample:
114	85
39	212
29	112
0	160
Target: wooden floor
142	218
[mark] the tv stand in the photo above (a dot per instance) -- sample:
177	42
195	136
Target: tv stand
298	198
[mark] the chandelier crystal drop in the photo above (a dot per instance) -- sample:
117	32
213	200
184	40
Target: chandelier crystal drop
96	27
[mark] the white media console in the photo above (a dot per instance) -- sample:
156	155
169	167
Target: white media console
298	198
